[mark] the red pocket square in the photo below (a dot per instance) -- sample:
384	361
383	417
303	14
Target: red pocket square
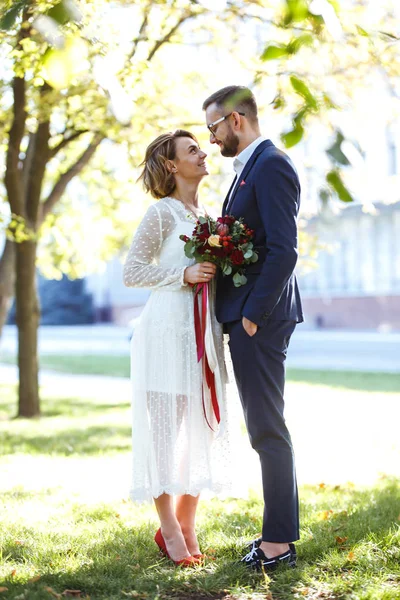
242	183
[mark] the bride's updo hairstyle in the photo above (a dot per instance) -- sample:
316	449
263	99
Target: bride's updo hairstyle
157	177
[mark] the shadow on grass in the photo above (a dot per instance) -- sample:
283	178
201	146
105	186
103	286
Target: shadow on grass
85	441
352	380
73	407
58	406
126	562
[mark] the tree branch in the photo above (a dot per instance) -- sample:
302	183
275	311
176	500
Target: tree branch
185	17
13	180
140	35
40	157
28	161
64	179
65	141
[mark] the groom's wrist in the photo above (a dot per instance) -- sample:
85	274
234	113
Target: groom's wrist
253	317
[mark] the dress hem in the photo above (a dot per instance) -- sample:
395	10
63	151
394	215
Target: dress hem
142	496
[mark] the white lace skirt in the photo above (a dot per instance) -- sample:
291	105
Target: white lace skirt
174	449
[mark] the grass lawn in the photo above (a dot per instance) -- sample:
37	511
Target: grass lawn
62	527
118	366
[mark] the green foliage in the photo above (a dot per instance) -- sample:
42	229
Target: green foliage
272	52
335	151
9	16
335	181
307	54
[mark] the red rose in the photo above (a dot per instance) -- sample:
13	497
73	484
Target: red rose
237	257
226	220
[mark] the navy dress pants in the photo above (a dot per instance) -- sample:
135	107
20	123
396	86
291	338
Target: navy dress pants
259	367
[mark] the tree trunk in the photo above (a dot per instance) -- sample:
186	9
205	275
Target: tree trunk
27	314
7	280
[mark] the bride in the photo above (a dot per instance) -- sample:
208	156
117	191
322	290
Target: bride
179	442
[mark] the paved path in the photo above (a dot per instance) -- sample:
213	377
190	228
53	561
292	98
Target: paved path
323	349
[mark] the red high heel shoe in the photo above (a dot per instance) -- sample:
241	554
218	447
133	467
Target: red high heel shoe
190	561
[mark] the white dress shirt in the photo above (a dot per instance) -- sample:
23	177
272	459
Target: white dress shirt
241	159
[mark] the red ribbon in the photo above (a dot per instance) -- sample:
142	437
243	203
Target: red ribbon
200	330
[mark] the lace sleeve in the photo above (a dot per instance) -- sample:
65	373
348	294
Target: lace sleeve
141	268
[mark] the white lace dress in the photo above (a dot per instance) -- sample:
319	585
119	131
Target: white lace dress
174	449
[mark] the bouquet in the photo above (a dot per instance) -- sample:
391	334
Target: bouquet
227	242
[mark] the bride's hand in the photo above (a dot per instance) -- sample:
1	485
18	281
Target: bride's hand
200	273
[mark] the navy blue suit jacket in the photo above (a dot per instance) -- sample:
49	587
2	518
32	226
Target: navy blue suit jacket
267	196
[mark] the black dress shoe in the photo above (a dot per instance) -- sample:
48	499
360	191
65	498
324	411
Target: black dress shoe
256	559
257	543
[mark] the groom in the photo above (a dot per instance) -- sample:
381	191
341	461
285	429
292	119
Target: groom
261	315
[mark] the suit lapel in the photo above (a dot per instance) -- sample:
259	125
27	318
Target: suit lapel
247	168
227	196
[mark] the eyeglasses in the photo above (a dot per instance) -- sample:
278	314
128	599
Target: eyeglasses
211	126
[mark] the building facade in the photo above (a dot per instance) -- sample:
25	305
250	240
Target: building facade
356	282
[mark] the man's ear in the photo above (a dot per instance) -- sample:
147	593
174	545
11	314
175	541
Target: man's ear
237	119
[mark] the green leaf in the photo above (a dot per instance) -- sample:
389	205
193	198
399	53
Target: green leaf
293	137
188	249
335	150
390	35
254	258
294	45
227	270
202	220
362	31
302	89
297	10
63	13
248	253
274	52
10	16
237	279
335	181
278	102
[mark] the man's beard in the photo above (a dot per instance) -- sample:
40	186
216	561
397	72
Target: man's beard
230	145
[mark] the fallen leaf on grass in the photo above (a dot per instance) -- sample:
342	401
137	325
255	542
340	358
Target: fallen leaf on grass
13	573
341	540
3	589
351	556
321	486
326	514
19	542
34	579
75	593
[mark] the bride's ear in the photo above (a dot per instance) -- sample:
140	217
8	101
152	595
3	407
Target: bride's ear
170	166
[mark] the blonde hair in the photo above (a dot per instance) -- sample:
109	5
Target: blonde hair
157	178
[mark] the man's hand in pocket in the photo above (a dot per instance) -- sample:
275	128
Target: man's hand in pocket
249	327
